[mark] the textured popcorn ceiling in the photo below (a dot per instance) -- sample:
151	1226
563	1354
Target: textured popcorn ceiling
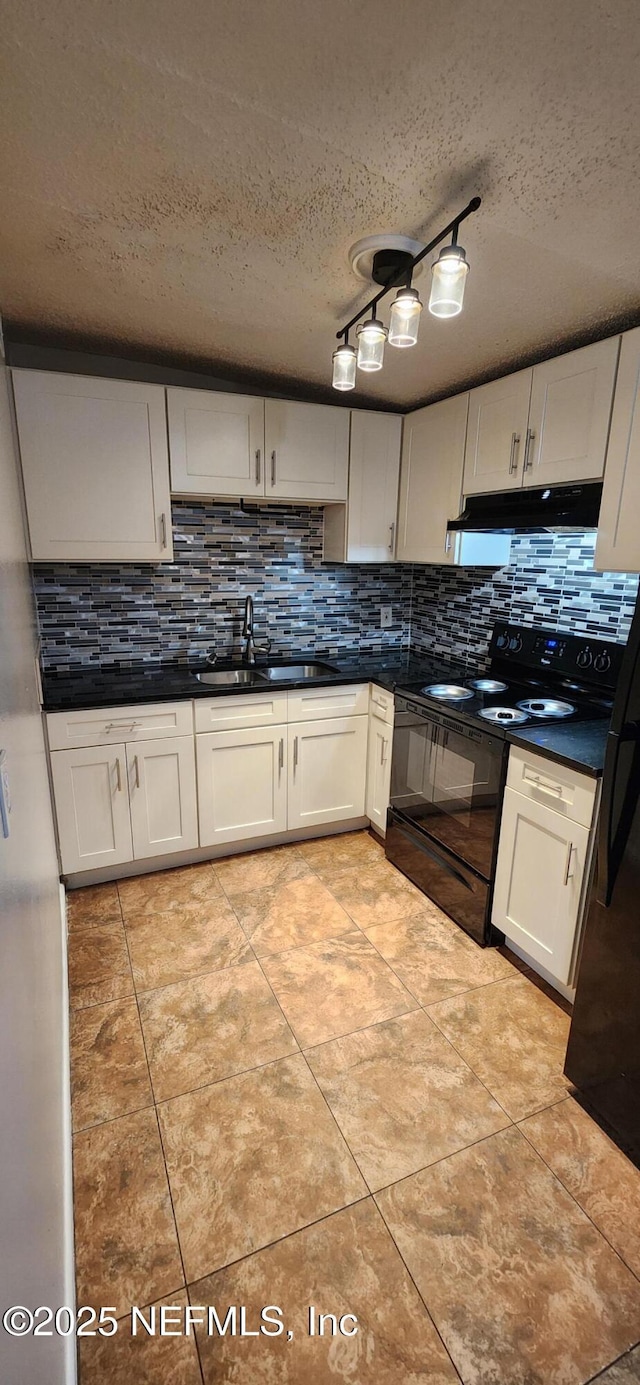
186	179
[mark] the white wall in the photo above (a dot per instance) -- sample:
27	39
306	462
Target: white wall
36	1264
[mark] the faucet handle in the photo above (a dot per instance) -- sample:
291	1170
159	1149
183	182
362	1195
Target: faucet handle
262	648
212	656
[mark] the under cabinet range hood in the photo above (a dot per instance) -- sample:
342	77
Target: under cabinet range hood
557	508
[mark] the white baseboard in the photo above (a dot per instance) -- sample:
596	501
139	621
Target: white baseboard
71	1357
211	853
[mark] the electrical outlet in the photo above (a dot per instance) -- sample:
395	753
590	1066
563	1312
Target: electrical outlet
386	617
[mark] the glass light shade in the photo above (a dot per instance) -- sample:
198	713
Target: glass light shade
404	318
371	339
449	275
344	368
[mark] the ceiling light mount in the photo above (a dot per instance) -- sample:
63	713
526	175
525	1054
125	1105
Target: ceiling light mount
363	253
393	266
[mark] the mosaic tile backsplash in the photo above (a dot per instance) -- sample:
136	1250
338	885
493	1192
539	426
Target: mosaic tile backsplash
105	613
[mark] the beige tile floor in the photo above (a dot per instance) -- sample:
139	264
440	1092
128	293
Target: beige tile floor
296	1082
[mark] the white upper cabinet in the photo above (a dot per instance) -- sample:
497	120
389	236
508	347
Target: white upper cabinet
216	443
569	415
496	434
618	544
95	467
542	427
307	451
431	480
364	530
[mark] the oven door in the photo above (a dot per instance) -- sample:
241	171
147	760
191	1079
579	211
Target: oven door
447	778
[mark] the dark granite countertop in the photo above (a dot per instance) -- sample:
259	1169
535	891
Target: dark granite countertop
580	745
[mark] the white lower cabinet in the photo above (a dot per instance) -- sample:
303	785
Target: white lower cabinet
378	773
162	795
327	770
242	783
543	860
92	807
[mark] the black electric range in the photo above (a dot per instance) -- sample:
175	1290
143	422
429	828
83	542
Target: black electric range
449	757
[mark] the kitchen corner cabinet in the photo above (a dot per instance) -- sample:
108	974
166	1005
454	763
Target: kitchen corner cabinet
544	855
364	530
618	542
95	467
307	451
216	443
381	707
544	426
431	491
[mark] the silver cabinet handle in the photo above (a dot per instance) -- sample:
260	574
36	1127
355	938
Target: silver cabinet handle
118	775
383	750
121	725
447	542
273	468
257	466
513	458
136	769
281	755
568	873
295	753
528	448
163	531
392	533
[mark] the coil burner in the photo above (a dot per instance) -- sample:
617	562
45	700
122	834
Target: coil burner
487	685
448	692
546	707
503	716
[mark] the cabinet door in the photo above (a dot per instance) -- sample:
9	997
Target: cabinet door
92	807
569	416
374	468
307	447
216	443
242	784
95	465
539	878
162	792
378	772
327	770
431	480
496	434
618	542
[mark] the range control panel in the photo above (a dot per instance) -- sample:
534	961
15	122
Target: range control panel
585	657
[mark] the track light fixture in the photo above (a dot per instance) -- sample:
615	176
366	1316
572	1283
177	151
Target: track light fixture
394	269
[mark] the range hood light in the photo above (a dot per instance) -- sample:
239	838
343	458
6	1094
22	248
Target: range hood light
449	276
344	367
404	318
372	336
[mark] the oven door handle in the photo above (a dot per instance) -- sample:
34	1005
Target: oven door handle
434	856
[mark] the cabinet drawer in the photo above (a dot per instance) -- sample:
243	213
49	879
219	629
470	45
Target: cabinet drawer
381	704
558	787
235	712
68	730
314	704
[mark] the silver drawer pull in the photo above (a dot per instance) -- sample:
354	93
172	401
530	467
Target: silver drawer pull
121	725
543	785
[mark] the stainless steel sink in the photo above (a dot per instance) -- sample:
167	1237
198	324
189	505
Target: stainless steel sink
295	673
229	677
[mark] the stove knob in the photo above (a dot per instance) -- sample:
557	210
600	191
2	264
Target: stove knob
502	641
602	662
515	644
585	658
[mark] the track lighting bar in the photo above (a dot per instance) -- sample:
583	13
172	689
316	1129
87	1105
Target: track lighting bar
403	275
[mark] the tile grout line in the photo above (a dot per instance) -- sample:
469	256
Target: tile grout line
162	1149
598	1229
